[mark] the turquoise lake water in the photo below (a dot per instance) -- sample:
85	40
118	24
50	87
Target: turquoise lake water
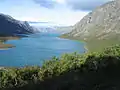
33	50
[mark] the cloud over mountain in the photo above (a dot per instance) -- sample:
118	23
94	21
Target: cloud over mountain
73	4
85	4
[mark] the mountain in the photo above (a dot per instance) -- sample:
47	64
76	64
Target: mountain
101	23
63	29
55	29
50	27
46	29
11	27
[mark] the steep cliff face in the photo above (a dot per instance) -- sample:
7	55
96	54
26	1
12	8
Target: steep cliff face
101	23
10	26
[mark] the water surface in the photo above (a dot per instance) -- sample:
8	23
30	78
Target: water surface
36	48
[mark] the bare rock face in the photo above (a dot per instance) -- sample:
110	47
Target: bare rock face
11	27
101	23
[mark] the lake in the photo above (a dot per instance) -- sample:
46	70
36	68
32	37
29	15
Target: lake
36	48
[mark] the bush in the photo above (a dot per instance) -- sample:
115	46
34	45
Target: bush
92	69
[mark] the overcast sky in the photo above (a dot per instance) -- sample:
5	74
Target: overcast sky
64	12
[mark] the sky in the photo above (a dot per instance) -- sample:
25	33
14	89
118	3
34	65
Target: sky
60	12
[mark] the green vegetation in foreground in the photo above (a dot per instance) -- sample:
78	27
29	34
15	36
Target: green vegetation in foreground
5	38
90	71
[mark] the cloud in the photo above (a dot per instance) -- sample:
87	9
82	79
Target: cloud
85	5
46	3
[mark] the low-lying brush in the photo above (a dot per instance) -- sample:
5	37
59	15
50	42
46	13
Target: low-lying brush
90	71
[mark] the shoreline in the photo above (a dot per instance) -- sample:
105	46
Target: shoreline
4	46
85	47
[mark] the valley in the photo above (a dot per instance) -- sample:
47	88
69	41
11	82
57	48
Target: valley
60	45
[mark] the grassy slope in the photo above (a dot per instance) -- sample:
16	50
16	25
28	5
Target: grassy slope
99	45
94	45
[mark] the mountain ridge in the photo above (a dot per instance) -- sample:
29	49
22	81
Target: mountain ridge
103	23
12	27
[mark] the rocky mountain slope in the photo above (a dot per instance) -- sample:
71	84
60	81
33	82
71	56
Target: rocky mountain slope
11	27
101	23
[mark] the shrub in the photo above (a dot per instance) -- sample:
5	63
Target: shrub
67	66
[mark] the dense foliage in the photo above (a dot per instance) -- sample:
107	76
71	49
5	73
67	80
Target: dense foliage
89	71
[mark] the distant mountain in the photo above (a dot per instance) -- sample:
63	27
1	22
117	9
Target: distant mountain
103	23
54	29
50	27
33	22
46	29
11	27
64	29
